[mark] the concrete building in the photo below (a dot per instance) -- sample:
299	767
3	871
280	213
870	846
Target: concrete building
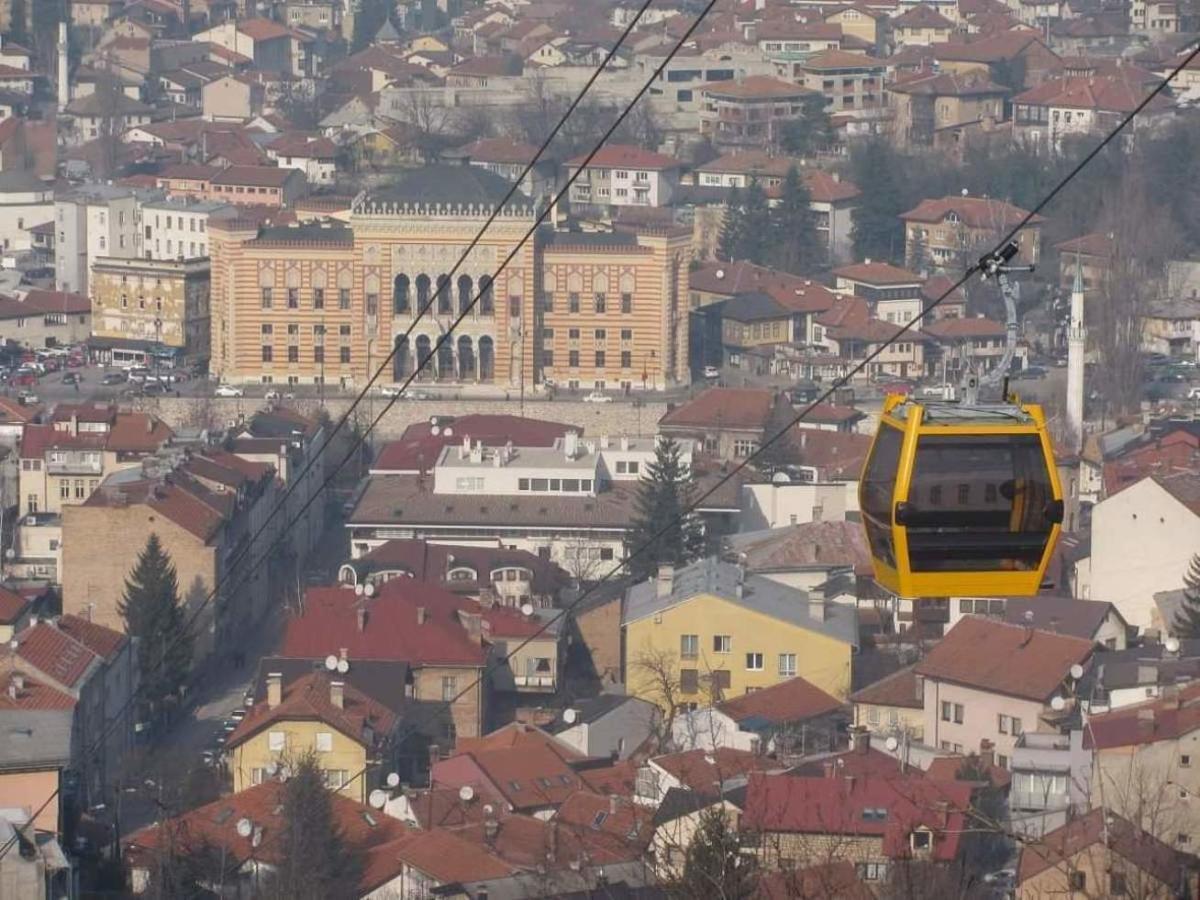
991	681
327	301
622	175
156	301
38	319
751	112
93	221
943	231
851	83
25	201
178	228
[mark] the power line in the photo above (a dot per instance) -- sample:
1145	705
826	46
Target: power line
446	285
836	385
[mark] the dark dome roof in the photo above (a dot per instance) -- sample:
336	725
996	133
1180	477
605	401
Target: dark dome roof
451	184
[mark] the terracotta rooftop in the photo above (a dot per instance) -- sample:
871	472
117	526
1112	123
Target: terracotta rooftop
876	273
1102	93
500	150
840	806
37	302
1163	719
624	156
105	642
718	407
421	443
12	605
792	291
390	627
34	694
527	777
825	60
992	49
261	176
1124	839
756	87
262	29
809	545
309	698
897	689
704	771
996	657
1095	244
836	455
794	700
446	857
975	212
56	654
952	329
922	16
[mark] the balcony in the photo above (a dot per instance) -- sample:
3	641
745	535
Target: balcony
74	466
534	682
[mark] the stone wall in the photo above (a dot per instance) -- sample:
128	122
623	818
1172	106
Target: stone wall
614	418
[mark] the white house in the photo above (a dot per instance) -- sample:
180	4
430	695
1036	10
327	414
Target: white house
25	201
1143	539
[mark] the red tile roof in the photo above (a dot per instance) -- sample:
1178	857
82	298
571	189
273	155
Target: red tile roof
628	822
946	84
1007	659
262	29
791	291
360	718
718	407
824	187
839	59
447	857
949	768
757	87
260	176
993	49
1117	836
897	689
704	771
56	654
837	806
880	273
1183	486
38	302
500	150
613	156
526	842
104	642
819	545
303	145
421	442
975	212
517	735
836	455
330	621
12	605
619	778
1107	94
1164	719
922	16
835	879
1094	244
794	700
214	825
954	329
34	695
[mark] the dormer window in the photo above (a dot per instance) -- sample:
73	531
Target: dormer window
462	573
922	841
953	218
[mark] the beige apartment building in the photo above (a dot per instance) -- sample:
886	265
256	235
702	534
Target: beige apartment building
165	301
327	301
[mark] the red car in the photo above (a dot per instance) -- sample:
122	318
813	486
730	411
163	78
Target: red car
27	379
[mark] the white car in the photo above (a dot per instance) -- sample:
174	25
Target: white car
389	390
276	395
1194	393
228	390
712	372
597	397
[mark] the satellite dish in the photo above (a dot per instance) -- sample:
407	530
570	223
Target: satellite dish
272	767
781	478
378	798
393	779
527	609
359	589
488	809
245	827
891	743
1172	644
435	430
466	793
343	666
331	662
1057	703
720	273
448	431
569	716
369	590
1077	671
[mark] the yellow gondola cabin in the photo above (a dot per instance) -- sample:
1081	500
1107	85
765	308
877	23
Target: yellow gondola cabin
961	500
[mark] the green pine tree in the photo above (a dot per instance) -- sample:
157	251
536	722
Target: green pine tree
715	865
756	224
316	861
367	21
918	253
153	614
660	525
795	245
811	132
783	451
878	232
729	246
1187	619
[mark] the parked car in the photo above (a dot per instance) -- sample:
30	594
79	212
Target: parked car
155	389
27	397
597	397
113	378
229	390
388	390
273	394
72	378
1193	393
1031	373
238	714
712	372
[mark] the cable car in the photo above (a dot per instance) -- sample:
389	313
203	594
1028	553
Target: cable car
960	499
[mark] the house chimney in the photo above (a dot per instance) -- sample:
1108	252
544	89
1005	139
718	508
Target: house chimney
274	689
552	841
570	444
987	754
337	694
465	450
362	618
343	653
665	580
816	606
860	740
491	828
18	681
830	768
473	623
420	615
612	804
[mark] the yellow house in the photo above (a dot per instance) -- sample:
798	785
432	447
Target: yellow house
428	43
892	707
340	724
707	631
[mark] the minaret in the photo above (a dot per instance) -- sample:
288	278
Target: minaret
1076	348
64	61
